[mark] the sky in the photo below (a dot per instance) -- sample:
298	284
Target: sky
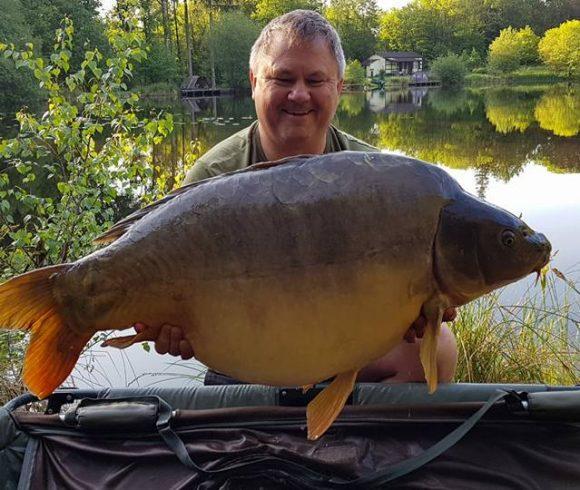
383	4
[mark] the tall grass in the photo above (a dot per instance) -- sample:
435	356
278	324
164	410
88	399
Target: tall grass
535	340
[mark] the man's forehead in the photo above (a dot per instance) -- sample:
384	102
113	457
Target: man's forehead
279	55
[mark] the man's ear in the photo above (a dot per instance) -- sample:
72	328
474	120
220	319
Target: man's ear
339	86
252	82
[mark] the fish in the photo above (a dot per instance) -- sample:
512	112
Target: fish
285	273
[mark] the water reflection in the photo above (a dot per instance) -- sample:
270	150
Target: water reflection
496	132
399	101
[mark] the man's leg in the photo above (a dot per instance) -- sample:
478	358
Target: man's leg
403	365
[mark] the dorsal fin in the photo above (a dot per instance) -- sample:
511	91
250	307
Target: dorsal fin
121	227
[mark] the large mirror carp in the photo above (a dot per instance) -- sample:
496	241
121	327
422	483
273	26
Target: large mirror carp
284	273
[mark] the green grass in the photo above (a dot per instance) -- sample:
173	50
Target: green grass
533	341
537	74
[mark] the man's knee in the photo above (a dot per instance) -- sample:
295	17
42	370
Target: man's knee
446	355
403	364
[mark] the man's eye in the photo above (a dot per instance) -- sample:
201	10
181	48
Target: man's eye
315	82
283	81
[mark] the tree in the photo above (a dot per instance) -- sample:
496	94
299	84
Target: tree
266	10
559	48
232	38
160	65
354	73
45	16
356	22
527	46
18	87
450	69
419	26
513	48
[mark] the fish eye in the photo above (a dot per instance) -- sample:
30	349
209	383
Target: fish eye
508	238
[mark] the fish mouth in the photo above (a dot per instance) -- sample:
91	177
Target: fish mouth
544	261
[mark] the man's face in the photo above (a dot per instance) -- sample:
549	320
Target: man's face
296	90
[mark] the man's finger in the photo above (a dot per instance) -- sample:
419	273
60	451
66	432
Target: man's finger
185	350
449	314
410	336
175	337
163	340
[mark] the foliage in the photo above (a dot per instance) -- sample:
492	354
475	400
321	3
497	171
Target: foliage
90	147
450	69
513	48
356	22
354	73
232	39
527	46
559	48
419	27
527	342
436	27
266	10
18	86
160	66
45	16
472	60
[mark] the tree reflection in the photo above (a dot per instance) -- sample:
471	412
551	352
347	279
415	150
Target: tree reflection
559	111
494	132
509	111
352	104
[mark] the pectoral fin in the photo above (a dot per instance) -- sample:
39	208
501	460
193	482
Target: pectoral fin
323	410
428	353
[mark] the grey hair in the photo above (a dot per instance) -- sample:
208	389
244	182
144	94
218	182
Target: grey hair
299	25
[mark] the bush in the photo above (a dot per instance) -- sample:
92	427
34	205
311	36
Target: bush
559	47
472	59
513	48
354	73
450	69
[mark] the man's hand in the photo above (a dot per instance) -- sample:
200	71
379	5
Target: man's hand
169	339
417	329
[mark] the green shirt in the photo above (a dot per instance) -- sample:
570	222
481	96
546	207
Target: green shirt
243	149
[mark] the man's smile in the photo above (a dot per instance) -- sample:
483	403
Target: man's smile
297	113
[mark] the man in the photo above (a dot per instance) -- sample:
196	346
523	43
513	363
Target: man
296	73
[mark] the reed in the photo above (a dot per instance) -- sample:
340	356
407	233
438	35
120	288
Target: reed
535	340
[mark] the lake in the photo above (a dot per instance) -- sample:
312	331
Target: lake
516	147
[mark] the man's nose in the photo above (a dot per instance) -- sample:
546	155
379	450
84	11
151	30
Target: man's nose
299	93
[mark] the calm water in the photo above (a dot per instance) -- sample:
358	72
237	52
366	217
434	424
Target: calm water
518	148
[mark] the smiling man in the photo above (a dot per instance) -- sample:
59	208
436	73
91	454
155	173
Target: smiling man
296	72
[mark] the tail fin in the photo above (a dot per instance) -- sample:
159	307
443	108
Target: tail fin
27	303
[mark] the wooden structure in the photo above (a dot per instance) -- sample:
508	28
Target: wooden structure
197	86
393	63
